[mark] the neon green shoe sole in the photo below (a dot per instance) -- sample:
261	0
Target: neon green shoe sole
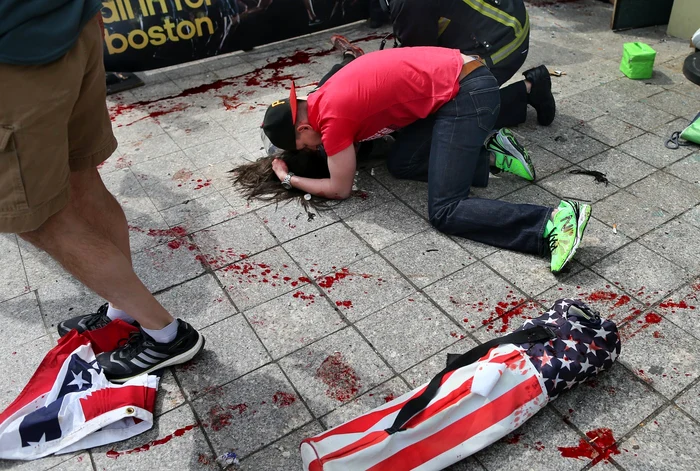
510	155
581	214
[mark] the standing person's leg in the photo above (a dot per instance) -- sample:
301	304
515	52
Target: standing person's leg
535	90
56	140
461	126
349	52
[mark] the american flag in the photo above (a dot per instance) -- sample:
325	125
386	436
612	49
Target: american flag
70	405
586	345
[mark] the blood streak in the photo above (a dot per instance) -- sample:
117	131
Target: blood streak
161	441
600	446
650	319
284	399
341	380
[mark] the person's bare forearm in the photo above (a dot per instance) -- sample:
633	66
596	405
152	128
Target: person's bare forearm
322	187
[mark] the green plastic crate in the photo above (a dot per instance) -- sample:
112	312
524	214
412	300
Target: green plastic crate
637	60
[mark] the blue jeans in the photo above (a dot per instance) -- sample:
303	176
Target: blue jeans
447	150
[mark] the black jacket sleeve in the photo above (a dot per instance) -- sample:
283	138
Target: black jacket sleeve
415	22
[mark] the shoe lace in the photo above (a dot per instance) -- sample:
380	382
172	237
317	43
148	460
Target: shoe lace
130	344
97	319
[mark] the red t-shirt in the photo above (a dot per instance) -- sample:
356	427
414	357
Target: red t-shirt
381	92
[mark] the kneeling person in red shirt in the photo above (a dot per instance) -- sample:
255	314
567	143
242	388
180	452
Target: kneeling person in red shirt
443	105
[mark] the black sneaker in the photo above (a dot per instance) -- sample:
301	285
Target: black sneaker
540	96
142	355
85	322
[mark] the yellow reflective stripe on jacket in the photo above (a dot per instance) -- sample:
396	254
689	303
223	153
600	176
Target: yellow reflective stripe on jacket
495	14
443	23
512	46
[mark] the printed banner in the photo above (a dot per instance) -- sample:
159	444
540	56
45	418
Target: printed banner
150	34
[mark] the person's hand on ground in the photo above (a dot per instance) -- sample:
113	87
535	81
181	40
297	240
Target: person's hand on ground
279	166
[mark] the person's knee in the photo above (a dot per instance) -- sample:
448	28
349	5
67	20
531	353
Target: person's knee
86	187
397	169
439	218
43	235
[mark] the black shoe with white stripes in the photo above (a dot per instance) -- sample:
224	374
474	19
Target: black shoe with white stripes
85	322
142	355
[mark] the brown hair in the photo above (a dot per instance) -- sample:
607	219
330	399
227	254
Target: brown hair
257	180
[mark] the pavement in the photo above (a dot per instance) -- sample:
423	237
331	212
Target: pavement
312	322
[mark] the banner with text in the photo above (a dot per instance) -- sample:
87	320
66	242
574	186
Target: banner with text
149	34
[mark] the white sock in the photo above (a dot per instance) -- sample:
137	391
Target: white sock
165	335
115	314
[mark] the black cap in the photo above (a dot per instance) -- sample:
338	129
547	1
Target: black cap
278	124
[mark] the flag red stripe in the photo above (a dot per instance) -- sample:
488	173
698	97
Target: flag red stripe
463	429
45	375
367	421
111	398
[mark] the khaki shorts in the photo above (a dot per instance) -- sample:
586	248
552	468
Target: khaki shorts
53	121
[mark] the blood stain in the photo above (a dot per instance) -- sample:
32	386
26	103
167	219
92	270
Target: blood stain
284	399
389	398
147	446
346	304
514	439
341	380
600	446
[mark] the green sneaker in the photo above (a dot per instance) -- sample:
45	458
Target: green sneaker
510	155
565	232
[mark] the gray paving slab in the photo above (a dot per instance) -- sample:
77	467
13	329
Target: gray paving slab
692	216
262	414
335	370
533	194
689	401
21	361
536	443
20	320
620	169
294	320
201	302
217	365
651	149
609	130
50	462
579	187
386	224
530	273
475	296
168	264
260	278
604	402
671	194
291	220
189	212
600	240
688	168
182	442
370	193
427	257
664	443
678	241
364	287
233	240
424	331
282	455
672	367
681	307
251	412
327	249
642	116
14	280
674	103
630	215
635	269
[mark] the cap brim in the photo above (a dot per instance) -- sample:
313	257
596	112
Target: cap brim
293	102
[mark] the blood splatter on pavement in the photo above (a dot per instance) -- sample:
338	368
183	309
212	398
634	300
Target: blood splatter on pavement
341	380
